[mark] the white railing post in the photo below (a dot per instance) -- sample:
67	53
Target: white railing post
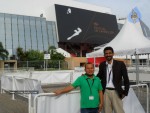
147	98
13	88
29	103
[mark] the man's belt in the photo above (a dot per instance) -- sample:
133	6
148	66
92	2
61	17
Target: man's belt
109	88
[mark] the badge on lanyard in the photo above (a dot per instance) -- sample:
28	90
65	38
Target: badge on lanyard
91	97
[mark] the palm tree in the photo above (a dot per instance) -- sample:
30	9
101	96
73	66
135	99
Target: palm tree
3	52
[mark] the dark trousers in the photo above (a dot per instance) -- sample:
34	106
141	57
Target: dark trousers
89	110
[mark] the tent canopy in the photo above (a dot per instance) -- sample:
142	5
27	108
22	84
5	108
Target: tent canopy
128	42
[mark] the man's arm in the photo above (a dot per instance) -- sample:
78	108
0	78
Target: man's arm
100	71
101	100
65	90
126	79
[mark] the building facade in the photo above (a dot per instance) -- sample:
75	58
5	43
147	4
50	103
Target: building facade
27	32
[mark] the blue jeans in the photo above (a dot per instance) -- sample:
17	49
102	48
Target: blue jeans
89	110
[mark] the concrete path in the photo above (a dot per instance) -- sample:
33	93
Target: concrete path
7	105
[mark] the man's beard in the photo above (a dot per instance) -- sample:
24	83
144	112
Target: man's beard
109	58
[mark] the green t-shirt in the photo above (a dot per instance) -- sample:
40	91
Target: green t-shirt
89	88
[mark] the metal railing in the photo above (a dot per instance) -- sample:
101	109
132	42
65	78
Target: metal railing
52	95
43	65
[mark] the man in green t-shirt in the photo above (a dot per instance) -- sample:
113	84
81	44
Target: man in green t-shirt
90	90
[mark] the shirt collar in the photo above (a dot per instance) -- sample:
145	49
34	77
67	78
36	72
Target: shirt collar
111	62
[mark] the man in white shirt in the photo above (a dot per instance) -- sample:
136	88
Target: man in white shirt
112	74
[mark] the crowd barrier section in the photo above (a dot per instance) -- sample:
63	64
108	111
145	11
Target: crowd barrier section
33	81
19	85
46	77
23	74
53	77
70	102
67	103
6	83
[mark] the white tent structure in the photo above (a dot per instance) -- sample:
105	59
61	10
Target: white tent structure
63	52
129	41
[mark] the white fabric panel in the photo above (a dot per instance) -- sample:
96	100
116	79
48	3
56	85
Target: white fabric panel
66	103
24	74
20	84
70	103
27	84
6	83
40	75
46	77
59	77
128	41
51	77
131	103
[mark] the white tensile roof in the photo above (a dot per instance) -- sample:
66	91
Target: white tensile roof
128	41
63	52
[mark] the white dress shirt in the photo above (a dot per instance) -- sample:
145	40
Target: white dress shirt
109	75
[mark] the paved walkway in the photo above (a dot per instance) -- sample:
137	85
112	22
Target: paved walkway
7	105
20	104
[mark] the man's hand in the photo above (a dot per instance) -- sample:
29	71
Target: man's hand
100	107
57	92
122	96
64	90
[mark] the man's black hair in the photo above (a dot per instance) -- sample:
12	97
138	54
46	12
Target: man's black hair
108	48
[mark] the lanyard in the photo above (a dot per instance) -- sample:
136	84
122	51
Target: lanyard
109	73
89	85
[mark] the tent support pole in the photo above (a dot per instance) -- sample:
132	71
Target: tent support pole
148	61
126	60
131	61
94	62
137	68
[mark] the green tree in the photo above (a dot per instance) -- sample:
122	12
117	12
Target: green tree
35	55
30	55
57	56
22	56
3	52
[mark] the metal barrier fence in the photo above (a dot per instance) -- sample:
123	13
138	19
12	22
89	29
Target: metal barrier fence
141	93
43	65
35	108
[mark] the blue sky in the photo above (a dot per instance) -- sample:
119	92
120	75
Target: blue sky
121	8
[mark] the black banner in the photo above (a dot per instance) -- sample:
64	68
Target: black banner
84	26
